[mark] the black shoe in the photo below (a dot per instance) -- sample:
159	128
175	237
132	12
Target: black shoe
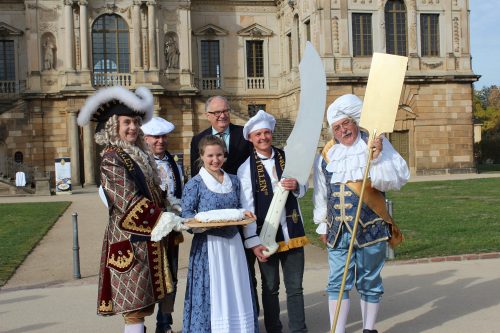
370	331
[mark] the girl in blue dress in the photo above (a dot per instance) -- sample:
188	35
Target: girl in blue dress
218	292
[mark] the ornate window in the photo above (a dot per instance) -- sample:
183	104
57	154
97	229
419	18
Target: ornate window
210	64
7	61
395	27
429	34
255	64
110	50
290	50
362	37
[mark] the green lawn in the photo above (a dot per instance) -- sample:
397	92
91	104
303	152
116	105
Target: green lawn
22	226
440	218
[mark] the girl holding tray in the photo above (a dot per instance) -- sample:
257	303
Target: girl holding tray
218	292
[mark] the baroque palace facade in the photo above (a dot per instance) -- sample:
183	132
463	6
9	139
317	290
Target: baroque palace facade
55	53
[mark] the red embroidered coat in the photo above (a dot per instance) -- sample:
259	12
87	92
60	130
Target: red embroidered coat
134	271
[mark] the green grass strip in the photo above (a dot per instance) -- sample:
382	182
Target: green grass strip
22	226
440	218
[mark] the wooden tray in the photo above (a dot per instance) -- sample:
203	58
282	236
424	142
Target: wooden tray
193	223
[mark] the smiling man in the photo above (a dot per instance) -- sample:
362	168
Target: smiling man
156	136
337	183
218	112
259	176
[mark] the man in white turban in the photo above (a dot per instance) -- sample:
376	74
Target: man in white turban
259	175
338	174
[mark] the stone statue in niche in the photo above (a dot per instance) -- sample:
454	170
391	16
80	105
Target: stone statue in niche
171	51
49	55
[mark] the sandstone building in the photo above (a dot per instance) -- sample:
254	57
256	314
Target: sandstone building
55	53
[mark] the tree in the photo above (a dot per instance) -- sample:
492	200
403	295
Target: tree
486	109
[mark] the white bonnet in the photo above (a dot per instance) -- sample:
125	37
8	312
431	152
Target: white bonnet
261	120
343	107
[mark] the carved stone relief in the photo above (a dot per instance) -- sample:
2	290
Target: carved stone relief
413	36
432	65
335	34
361	65
48	14
362	1
430	2
456	35
46	26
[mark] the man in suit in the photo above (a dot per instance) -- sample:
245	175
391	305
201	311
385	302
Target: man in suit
217	110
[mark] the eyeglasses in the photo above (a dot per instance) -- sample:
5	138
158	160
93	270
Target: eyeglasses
219	113
344	124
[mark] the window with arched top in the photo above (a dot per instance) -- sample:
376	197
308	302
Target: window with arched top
110	45
396	32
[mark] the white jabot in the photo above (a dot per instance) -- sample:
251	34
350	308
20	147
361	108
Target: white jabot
388	171
347	163
213	185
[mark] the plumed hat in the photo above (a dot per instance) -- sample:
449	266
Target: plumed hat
343	107
261	120
157	126
107	102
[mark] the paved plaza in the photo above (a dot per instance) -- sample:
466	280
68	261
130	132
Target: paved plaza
457	295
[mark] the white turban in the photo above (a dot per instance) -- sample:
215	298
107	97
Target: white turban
343	107
157	126
261	120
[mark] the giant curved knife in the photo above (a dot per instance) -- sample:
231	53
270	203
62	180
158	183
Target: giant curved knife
302	143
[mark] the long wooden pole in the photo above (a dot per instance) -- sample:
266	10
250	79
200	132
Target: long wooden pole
354	230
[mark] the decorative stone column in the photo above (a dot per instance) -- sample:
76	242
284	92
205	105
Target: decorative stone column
413	58
136	34
68	36
89	154
74	144
152	35
184	31
84	31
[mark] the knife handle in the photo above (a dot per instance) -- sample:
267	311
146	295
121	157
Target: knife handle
272	220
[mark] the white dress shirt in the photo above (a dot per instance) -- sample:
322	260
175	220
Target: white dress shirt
247	202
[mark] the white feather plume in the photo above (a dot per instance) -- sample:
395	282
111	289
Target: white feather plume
141	101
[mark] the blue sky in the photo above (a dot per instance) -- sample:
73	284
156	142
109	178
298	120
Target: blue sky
485	41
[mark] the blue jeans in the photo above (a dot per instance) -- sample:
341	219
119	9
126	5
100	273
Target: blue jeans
292	265
367	261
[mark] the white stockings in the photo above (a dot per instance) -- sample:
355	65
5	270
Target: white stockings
134	328
369	312
344	311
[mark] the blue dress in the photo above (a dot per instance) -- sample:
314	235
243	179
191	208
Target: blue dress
198	316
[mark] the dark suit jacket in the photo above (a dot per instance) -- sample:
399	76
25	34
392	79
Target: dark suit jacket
239	149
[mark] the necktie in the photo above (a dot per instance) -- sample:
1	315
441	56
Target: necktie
222	136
